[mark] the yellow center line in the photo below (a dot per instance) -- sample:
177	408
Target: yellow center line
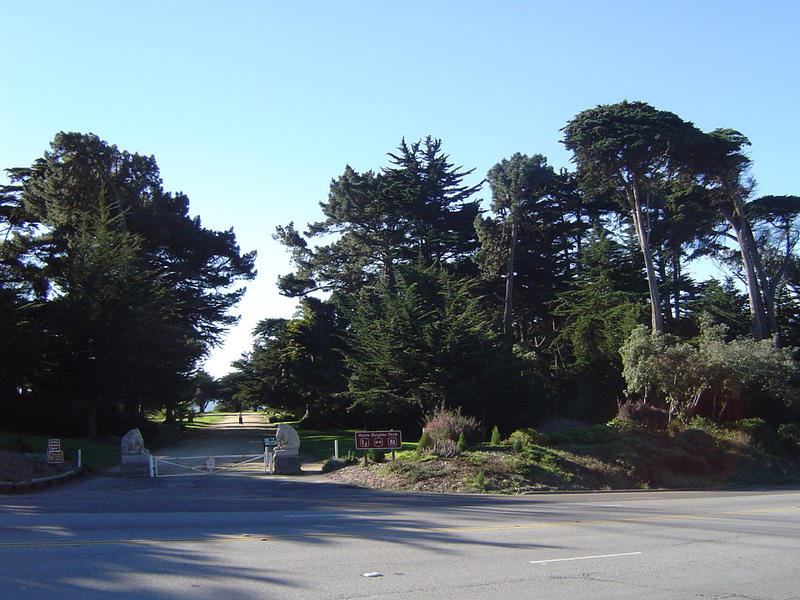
245	537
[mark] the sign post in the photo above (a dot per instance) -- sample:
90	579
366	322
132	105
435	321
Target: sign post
54	453
269	460
378	440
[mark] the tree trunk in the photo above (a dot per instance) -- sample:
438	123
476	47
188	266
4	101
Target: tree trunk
748	252
92	424
657	319
508	305
676	282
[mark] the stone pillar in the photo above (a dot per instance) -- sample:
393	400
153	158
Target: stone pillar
134	457
286	454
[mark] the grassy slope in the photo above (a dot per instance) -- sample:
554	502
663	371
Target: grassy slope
99	454
319	443
690	459
95	454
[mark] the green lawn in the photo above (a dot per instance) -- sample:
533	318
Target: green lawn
319	443
95	454
200	421
102	454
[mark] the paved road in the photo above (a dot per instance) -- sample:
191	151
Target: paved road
226	537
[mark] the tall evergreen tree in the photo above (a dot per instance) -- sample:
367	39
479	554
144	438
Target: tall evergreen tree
423	343
132	291
415	210
630	148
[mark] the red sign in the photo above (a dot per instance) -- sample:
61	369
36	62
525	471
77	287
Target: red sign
378	440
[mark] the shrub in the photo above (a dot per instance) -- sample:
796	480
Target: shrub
730	374
445	448
280	416
591	434
521	440
479	481
760	435
641	416
705	424
560	424
334	464
461	443
377	456
445	424
425	443
495	439
789	434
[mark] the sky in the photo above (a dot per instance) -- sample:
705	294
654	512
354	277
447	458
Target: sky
251	108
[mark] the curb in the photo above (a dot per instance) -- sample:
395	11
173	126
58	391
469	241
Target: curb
38	483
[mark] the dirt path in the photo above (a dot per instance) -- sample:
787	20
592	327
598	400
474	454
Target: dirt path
225	437
228	438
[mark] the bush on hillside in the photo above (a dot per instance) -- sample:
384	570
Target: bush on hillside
445	448
495	439
524	439
590	434
446	424
759	434
642	417
789	437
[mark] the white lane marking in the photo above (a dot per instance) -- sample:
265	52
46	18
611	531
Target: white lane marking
344	513
374	574
553	560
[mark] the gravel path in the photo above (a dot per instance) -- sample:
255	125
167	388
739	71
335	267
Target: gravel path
225	437
230	438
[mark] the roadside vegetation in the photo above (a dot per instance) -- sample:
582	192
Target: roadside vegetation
626	453
432	305
24	455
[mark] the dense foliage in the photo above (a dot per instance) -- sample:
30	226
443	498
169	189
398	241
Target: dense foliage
111	292
416	295
518	314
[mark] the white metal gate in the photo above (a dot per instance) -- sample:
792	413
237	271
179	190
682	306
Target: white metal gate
181	466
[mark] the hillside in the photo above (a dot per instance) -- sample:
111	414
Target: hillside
689	459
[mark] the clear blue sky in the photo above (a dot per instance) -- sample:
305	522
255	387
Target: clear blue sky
251	108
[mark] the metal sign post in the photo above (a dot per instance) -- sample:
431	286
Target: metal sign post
54	453
269	457
378	440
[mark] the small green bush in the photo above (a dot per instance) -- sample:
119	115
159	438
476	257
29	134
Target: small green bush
521	440
446	424
377	456
789	434
280	416
479	481
591	434
705	424
760	435
425	443
495	439
445	448
333	464
642	417
560	424
461	444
